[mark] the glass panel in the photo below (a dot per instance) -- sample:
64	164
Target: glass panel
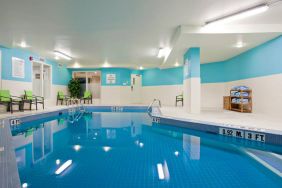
94	83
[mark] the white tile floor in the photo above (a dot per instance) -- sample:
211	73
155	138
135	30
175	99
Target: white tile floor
241	120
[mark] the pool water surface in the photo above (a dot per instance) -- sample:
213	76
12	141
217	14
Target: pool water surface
111	149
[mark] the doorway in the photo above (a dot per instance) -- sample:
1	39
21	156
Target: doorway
41	79
89	81
136	86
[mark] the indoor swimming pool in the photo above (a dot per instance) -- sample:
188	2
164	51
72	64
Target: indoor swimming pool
125	149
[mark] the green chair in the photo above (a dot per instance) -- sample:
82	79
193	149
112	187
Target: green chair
86	97
61	97
32	99
7	99
179	98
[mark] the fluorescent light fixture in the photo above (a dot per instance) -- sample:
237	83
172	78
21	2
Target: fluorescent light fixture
77	147
58	162
24	185
241	14
107	148
164	52
63	167
160	171
141	68
62	55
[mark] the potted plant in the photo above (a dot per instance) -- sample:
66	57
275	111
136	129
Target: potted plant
74	88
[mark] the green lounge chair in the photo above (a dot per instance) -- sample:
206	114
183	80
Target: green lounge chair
7	99
32	99
86	97
61	97
179	98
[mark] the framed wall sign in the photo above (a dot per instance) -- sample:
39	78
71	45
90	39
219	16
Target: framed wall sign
111	78
18	68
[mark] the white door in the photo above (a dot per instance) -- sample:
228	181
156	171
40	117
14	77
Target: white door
37	79
136	84
41	79
46	81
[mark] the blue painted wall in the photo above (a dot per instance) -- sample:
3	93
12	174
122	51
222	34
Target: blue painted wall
192	63
155	77
263	60
61	74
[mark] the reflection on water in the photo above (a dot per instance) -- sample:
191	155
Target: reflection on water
34	144
124	150
191	146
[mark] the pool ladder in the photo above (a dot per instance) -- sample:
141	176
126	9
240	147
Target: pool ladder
76	113
152	105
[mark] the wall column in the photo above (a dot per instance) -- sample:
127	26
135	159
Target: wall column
192	81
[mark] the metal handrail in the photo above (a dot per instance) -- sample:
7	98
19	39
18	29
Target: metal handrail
151	105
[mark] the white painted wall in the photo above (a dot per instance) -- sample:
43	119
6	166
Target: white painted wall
212	96
17	89
192	95
165	93
115	95
267	94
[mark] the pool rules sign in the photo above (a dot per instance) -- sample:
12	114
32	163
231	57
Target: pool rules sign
242	134
18	67
111	78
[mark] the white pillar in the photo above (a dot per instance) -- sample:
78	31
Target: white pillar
192	81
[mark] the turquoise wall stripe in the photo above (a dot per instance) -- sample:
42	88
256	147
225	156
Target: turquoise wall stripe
155	77
263	60
61	74
192	63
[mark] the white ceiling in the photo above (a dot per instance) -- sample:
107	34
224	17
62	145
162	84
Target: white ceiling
125	33
216	47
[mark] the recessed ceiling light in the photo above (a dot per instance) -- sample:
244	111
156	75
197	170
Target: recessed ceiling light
62	55
24	185
77	147
57	58
23	44
241	14
76	65
176	64
107	148
141	68
240	45
58	161
176	153
106	64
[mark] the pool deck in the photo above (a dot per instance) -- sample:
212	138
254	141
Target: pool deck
248	121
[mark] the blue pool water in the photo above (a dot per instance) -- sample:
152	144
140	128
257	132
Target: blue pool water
125	150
